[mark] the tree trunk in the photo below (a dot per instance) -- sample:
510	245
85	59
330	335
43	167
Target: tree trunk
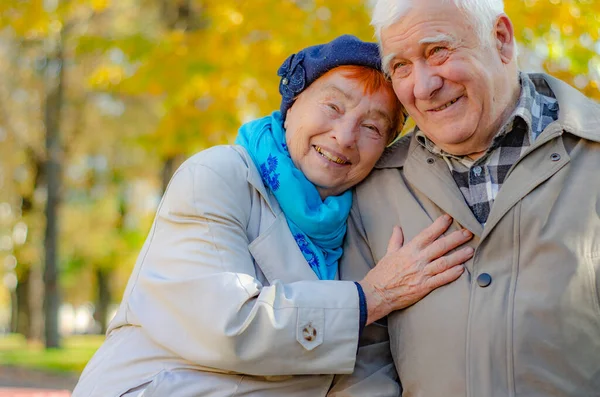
36	303
175	15
54	102
27	317
21	314
103	298
35	282
169	167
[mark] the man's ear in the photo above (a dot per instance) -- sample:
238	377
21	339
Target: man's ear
504	38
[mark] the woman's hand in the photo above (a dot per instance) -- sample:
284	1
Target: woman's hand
408	273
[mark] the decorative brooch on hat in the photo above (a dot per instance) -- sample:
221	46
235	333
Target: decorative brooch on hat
293	76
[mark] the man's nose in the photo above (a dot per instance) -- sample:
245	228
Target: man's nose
427	82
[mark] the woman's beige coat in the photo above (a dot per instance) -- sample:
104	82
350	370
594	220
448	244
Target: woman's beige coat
221	301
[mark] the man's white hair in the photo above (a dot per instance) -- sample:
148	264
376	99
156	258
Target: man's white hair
481	13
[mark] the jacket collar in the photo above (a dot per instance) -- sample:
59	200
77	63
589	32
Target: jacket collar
578	115
395	155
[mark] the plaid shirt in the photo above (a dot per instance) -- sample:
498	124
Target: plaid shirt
480	180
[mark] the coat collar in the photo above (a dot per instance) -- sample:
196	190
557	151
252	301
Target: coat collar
255	180
395	155
578	115
275	250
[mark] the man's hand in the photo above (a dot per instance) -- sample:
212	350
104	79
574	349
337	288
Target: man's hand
408	273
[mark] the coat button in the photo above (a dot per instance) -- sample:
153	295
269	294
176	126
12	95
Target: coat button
484	280
309	333
430	160
555	157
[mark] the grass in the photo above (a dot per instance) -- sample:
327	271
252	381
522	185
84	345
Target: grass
15	350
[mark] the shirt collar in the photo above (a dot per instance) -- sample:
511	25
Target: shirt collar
529	106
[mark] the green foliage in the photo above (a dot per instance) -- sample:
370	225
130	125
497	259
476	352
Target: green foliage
77	350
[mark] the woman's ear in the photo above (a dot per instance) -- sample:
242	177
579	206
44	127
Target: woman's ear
287	116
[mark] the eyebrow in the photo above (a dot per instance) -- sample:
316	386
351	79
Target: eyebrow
332	87
372	113
382	115
440	38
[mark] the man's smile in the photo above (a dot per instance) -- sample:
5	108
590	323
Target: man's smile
446	105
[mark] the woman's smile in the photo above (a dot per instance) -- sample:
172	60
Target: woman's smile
331	156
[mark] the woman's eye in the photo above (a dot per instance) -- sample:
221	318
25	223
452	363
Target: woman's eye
333	107
372	128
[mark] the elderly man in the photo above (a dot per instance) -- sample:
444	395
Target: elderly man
514	158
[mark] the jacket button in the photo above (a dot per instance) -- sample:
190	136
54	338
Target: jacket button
484	280
430	160
555	157
309	333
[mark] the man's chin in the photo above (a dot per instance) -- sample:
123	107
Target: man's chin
462	146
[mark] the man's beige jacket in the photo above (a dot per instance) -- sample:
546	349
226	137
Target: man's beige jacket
524	318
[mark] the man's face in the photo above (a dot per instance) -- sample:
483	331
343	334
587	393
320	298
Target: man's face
458	90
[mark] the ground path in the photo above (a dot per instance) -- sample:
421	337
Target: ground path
20	382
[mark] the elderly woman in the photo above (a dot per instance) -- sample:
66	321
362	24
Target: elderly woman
235	290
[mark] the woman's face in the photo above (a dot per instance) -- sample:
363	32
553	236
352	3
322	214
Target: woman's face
335	132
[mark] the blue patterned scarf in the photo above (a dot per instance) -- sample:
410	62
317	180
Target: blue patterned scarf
318	226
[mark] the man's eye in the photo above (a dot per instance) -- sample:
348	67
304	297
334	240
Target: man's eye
438	52
400	69
438	55
398	65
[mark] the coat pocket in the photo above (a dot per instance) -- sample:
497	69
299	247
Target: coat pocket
138	391
192	383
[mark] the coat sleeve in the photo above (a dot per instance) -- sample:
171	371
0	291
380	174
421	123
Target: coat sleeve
195	290
374	373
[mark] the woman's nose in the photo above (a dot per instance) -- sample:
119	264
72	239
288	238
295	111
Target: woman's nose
346	133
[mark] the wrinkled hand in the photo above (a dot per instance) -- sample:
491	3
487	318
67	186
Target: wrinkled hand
408	273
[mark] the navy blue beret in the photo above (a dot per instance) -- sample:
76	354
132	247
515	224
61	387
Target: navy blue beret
300	70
